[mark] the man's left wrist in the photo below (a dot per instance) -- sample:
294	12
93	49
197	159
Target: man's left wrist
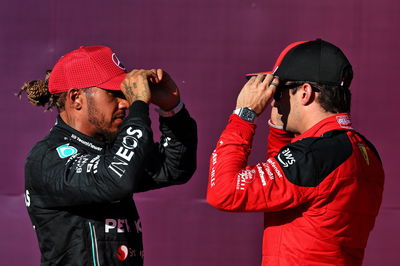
172	112
246	113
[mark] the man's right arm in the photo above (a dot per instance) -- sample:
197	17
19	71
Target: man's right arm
236	186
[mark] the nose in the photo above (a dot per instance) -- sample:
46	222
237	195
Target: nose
123	103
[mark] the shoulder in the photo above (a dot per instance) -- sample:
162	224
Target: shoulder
309	161
53	149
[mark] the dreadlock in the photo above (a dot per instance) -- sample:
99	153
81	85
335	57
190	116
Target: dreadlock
39	95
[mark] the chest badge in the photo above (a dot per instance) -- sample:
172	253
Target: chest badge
65	151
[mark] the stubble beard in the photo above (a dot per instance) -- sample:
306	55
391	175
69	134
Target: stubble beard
97	119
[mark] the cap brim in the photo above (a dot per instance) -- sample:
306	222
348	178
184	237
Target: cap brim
114	83
248	76
278	61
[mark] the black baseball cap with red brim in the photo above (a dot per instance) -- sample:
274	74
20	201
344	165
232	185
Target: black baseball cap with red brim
317	61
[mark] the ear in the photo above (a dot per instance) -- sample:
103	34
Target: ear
307	94
74	99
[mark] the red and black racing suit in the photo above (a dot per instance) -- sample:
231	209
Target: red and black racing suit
79	190
320	191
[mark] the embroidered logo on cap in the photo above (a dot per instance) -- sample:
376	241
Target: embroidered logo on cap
117	62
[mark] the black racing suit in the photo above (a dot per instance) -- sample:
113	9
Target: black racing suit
79	190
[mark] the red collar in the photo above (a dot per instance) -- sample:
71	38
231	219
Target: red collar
337	121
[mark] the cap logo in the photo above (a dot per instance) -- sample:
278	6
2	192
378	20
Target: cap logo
117	62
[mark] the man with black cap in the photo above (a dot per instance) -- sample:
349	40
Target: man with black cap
322	182
79	180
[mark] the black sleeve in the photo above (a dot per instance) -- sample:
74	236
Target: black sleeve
88	178
172	160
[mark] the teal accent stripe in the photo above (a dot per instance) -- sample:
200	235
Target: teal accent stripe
93	248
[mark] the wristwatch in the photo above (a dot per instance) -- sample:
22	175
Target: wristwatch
246	113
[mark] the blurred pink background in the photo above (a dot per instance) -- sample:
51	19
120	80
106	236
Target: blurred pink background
207	46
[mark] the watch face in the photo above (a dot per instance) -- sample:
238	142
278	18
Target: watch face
248	114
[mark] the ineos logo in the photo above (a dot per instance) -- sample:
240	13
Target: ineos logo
125	152
131	141
117	62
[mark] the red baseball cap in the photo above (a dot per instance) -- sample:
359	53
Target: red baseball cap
88	66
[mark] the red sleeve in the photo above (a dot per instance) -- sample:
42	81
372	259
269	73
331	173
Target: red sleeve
277	139
235	186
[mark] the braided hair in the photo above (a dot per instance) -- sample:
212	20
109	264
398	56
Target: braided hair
38	94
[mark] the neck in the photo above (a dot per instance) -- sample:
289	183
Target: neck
75	122
66	117
311	118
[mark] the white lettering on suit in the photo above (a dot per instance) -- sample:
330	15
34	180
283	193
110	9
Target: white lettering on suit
121	225
273	164
214	162
288	158
125	153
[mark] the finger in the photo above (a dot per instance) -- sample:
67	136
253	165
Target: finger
145	83
275	82
160	74
259	78
268	79
150	75
153	75
251	80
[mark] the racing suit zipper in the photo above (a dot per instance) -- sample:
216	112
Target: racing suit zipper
95	251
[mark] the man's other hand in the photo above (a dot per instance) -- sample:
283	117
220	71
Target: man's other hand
164	92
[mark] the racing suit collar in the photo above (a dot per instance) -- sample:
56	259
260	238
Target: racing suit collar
338	121
77	137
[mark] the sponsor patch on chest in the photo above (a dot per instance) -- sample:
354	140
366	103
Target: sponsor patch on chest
64	151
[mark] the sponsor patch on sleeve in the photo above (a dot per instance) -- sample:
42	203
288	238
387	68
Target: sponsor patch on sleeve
286	158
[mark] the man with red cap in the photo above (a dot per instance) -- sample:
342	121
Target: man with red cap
321	184
79	180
